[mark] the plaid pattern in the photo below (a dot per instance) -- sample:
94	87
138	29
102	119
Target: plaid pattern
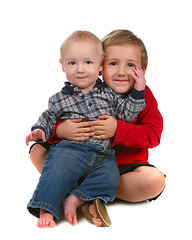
72	103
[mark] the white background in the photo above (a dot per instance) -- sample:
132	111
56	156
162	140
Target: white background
31	35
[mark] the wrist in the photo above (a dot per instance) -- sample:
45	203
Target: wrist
138	94
58	131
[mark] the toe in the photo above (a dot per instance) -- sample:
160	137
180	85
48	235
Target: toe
52	224
47	223
97	222
74	220
38	223
92	210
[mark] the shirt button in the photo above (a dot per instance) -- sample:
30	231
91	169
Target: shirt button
90	104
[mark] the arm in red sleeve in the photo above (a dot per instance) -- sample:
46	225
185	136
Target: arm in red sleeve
53	138
146	133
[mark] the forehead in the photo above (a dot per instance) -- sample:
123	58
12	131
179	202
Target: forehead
123	52
81	48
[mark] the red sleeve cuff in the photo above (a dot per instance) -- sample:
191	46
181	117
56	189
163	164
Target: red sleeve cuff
53	138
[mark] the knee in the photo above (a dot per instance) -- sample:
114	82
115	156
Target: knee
156	182
38	154
112	179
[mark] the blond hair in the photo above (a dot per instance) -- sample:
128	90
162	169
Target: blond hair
80	36
123	37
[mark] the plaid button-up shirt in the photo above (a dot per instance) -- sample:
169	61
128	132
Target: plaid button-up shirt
73	103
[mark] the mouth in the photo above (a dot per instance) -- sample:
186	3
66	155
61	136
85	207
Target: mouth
121	80
81	78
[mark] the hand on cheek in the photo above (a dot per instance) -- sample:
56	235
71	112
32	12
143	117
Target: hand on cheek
139	77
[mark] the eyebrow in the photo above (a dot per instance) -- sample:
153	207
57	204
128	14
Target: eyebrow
117	59
75	59
112	59
131	60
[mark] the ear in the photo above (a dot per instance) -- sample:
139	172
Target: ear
100	73
101	69
62	65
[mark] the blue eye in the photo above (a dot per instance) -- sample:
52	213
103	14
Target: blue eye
72	63
131	65
113	63
88	62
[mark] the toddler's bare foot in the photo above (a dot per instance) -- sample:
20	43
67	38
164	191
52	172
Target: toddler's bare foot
45	219
70	205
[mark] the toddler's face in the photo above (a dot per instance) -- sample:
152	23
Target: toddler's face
118	63
82	64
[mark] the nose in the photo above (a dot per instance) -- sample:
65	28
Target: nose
80	68
121	71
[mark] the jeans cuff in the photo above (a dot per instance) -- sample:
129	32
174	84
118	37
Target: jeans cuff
34	208
85	197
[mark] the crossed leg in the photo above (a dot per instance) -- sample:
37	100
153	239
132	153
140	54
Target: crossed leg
142	184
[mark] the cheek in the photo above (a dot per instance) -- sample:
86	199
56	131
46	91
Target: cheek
69	75
92	70
107	77
70	71
131	83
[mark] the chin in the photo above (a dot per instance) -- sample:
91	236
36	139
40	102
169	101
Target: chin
121	90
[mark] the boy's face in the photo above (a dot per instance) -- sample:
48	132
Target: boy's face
82	64
118	63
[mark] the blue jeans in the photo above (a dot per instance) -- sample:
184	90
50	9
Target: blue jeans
65	164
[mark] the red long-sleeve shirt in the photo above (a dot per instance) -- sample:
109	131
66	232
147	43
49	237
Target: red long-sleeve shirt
133	140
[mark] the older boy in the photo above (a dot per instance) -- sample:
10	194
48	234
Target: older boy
85	97
139	180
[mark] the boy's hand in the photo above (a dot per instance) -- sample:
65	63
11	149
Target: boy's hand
105	129
139	77
75	130
35	135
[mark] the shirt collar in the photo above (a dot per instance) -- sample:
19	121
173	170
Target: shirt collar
68	88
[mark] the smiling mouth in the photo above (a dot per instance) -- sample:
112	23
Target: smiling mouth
121	80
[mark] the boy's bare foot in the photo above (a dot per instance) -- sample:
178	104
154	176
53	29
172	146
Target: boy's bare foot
96	221
45	219
70	205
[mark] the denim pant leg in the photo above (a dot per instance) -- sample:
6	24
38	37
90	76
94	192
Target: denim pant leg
101	179
64	165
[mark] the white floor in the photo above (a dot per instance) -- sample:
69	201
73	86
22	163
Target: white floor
167	218
31	34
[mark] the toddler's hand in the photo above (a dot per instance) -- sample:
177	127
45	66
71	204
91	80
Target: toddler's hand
139	77
35	135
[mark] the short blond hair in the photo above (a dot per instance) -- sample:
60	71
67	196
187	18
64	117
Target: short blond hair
80	36
123	37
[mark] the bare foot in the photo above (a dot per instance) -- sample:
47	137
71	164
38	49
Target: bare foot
96	221
45	219
70	205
